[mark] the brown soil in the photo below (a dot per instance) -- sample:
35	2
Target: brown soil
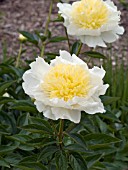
30	15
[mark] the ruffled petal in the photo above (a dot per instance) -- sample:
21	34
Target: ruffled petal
39	68
62	113
109	37
92	41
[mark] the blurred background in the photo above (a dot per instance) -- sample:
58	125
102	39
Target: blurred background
31	15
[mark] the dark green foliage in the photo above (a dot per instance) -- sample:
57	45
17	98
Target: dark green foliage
28	141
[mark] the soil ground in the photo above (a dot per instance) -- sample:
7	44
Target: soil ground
30	15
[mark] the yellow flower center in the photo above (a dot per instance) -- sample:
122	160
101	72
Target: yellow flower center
65	81
89	14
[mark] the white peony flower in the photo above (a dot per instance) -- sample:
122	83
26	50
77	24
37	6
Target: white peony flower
94	22
65	87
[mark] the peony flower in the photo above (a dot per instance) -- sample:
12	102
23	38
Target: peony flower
65	87
94	22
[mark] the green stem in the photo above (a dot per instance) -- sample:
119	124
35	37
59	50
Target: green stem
67	38
79	49
19	55
60	135
46	28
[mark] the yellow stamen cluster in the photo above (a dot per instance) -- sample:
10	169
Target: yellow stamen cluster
89	14
65	81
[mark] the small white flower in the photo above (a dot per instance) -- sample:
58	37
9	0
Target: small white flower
94	22
65	87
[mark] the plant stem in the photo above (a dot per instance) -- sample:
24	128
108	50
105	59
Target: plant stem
19	55
46	28
60	135
67	38
79	49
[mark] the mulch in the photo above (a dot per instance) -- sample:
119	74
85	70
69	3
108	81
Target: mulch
30	15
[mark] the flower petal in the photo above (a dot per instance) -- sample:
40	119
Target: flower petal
92	41
62	113
39	68
109	37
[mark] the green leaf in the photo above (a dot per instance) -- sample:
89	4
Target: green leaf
42	122
4	149
5	85
77	138
93	159
76	148
61	160
107	100
94	54
75	47
34	128
4	129
33	38
4	100
57	39
47	152
19	138
77	162
13	158
93	139
3	163
24	105
31	166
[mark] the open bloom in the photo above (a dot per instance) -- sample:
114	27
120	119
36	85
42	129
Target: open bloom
65	87
94	22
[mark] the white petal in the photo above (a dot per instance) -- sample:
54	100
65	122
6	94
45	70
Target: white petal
73	29
66	58
119	30
30	83
93	105
40	106
92	41
48	113
64	10
39	68
65	55
109	36
77	60
98	71
111	4
62	113
102	89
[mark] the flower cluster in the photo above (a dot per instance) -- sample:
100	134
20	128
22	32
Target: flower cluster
66	86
